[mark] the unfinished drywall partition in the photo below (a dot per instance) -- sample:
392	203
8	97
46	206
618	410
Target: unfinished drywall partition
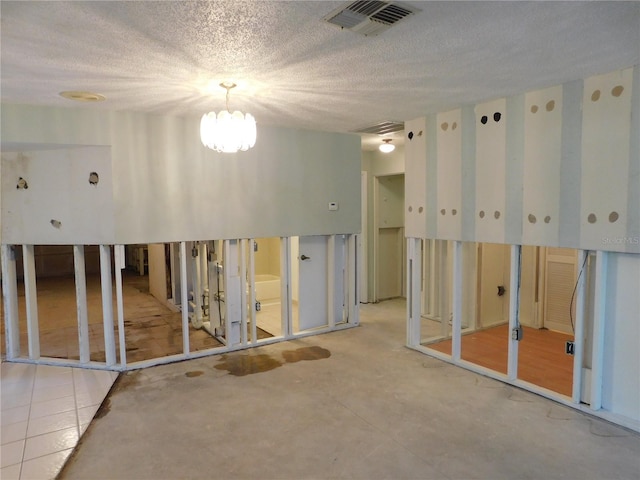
490	170
168	187
558	167
62	196
542	160
449	174
606	127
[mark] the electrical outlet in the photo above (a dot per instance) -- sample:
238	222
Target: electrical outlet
516	333
569	348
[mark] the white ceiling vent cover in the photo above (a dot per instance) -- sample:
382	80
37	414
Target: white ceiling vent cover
369	18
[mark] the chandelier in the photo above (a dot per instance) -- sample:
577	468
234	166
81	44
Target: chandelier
228	132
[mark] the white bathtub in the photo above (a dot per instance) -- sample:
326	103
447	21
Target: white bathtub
267	287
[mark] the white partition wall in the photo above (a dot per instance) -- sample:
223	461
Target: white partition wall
542	157
606	130
553	168
490	170
449	128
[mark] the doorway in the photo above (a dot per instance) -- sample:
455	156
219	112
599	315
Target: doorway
389	244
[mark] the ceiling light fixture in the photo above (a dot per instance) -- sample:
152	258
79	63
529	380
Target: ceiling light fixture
228	132
386	146
79	96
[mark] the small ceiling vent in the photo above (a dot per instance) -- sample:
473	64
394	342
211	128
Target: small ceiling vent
382	128
369	18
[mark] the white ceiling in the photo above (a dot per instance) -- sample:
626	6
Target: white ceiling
295	70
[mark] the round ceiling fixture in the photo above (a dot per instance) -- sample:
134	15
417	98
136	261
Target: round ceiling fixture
386	146
79	96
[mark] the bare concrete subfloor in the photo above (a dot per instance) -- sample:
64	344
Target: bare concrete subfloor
349	404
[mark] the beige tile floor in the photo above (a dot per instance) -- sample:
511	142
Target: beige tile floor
44	410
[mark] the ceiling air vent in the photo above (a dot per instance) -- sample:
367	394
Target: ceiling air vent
369	18
382	128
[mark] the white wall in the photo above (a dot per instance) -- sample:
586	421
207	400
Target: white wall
60	205
168	187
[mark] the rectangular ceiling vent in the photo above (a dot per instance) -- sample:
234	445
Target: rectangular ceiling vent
369	18
382	128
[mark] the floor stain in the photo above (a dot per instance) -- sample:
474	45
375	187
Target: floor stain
194	373
104	409
305	353
241	365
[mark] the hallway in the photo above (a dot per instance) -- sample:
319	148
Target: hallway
350	404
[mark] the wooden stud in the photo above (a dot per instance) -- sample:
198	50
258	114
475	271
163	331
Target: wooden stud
81	303
31	298
107	305
599	323
10	298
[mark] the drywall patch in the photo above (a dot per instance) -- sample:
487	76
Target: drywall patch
454	125
410	208
592	218
551	104
22	184
454	212
496	214
94	178
420	209
532	218
443	212
534	108
547	219
595	96
481	214
444	126
56	223
613	217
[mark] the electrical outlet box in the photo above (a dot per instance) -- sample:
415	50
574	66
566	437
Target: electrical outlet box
569	348
516	333
333	206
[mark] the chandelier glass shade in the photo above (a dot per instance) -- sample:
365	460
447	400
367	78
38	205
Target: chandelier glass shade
228	132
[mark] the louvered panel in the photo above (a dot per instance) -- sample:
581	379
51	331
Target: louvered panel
382	128
560	284
391	14
366	8
564	252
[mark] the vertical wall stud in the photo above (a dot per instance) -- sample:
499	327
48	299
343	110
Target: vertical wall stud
107	305
578	338
353	297
414	262
252	289
514	302
81	303
285	286
184	300
456	285
331	276
599	321
118	252
243	291
31	297
10	298
443	297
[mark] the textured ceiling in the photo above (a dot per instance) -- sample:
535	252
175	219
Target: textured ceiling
295	70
